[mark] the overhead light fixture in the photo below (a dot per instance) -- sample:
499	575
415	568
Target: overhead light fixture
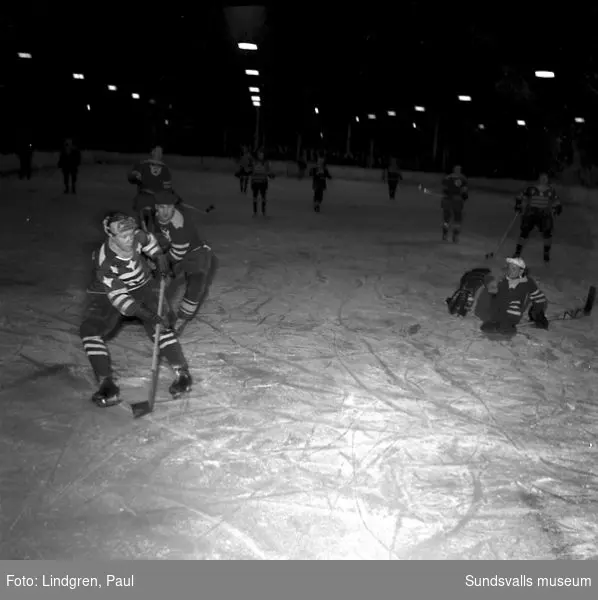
580	120
521	123
371	116
481	126
357	119
316	110
545	74
392	113
420	109
112	88
256	99
465	98
255	90
78	76
88	107
136	96
414	125
251	72
24	55
247	46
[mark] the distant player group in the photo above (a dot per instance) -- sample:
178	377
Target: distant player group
159	240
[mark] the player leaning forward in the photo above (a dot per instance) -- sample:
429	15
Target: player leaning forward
455	194
190	258
123	285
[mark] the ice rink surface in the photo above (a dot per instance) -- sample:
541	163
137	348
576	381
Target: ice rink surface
339	411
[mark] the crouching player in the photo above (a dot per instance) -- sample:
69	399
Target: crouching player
191	259
123	286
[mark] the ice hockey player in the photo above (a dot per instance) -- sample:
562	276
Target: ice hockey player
455	193
501	303
319	175
392	174
244	170
150	176
538	204
68	163
191	260
123	286
260	174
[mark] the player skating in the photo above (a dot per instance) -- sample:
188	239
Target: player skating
538	205
244	170
123	286
192	261
392	175
455	193
319	175
68	163
150	176
260	175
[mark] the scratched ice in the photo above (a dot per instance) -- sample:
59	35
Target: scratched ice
341	412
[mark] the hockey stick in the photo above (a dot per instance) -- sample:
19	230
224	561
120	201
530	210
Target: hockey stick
575	313
206	210
143	408
504	237
425	190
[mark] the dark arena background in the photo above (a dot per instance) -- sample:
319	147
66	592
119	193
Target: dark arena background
338	409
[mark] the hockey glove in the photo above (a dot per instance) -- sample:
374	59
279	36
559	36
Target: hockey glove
134	177
149	316
518	208
557	210
163	265
537	316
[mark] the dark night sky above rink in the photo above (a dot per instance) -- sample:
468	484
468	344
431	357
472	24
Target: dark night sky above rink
347	61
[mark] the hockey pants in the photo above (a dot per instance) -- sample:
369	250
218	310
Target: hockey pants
190	287
101	319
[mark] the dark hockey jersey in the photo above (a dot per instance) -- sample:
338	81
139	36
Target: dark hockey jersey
455	185
393	172
182	235
151	176
319	175
117	276
514	295
538	198
70	158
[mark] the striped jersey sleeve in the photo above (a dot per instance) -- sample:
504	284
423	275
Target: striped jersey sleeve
182	235
535	294
117	277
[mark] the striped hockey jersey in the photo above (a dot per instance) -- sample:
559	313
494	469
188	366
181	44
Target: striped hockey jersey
117	276
182	235
538	198
151	176
514	295
260	171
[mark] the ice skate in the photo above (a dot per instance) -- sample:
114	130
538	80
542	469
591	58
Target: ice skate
107	394
182	382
